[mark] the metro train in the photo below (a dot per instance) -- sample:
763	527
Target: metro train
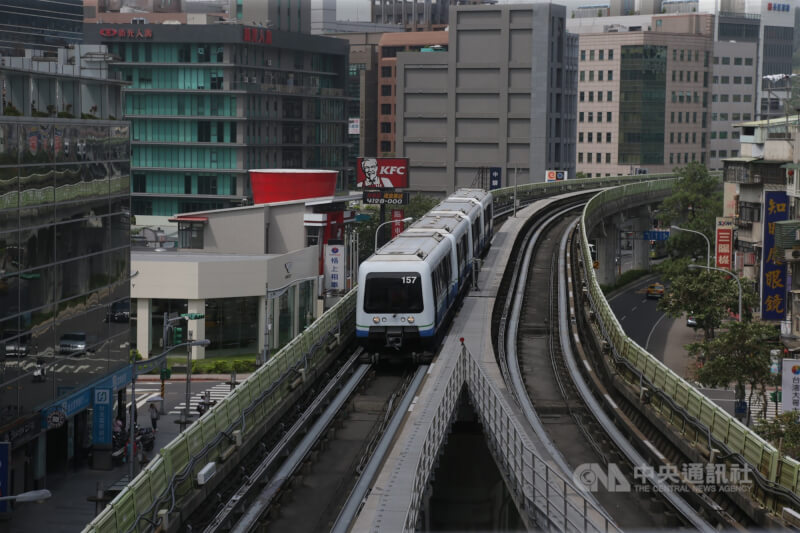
409	289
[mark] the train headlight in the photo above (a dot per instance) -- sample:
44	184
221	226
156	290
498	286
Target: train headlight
376	319
411	320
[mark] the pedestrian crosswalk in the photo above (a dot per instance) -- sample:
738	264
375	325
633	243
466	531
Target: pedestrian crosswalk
217	392
756	406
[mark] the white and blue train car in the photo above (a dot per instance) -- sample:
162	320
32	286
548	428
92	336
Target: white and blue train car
409	289
406	292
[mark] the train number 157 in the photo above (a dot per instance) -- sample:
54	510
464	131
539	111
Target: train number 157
409	280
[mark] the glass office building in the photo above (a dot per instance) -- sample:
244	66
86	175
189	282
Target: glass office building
39	24
208	102
64	257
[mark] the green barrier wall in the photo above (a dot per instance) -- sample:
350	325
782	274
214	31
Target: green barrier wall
760	454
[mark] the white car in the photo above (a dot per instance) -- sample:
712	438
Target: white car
691	321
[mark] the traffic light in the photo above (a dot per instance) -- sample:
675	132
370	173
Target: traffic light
193	316
775	396
166	373
177	335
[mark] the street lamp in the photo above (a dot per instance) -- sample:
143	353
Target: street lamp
407	219
31	496
189	344
146	367
708	243
734	277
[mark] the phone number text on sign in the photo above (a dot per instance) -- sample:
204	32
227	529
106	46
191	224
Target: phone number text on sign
385	197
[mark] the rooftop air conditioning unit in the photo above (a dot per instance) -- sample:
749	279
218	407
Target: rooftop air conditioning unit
792	255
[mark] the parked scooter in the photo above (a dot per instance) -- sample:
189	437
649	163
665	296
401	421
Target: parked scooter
146	437
40	372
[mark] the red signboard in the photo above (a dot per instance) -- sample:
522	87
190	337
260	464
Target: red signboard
283	185
126	34
397	227
724	245
382	172
257	35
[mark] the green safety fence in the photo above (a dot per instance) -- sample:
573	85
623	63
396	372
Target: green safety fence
172	471
724	428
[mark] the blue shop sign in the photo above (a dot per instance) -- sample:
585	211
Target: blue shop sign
77	402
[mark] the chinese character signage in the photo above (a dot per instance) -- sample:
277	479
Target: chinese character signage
334	267
353	126
790	385
495	178
772	6
724	246
257	35
115	33
773	269
555	175
101	420
380	197
397	226
382	172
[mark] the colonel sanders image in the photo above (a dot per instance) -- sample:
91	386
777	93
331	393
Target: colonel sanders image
371	179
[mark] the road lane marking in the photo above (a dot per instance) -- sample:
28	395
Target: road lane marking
623	318
647	342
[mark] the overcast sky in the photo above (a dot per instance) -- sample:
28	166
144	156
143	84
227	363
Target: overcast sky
359	9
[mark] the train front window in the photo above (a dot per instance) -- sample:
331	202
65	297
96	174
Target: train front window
393	292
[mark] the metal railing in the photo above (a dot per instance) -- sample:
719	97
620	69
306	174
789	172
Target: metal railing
781	472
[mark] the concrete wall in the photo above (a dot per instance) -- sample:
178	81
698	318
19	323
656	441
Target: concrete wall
492	100
236	232
286	232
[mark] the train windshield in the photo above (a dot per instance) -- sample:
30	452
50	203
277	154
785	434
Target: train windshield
393	292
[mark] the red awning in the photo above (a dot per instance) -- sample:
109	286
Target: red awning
189	219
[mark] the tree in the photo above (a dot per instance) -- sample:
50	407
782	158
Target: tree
740	355
418	205
580	176
783	432
695	204
708	295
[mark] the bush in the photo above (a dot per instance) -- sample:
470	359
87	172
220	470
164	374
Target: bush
65	114
244	367
11	111
222	367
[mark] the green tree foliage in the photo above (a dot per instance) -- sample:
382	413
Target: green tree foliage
418	205
694	204
709	296
783	432
740	355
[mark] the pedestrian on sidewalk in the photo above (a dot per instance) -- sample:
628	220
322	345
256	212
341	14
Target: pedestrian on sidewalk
154	416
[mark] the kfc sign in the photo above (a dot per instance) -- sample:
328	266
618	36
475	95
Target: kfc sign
257	35
382	173
126	34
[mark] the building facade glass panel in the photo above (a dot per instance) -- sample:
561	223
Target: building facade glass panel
642	104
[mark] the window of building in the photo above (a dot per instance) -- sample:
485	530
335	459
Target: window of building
726	60
591	55
679	136
386	72
723	153
386	146
599	75
599	137
583	55
591	75
608	96
580	96
671	158
580	157
713	153
600	54
697	56
588	157
682	54
608	157
599	116
610	76
736	116
386	90
735	134
734	153
695	76
746	116
591	96
680	75
694	117
737	80
608	116
747	98
715	98
608	137
580	116
386	127
583	75
716	60
139	183
672	137
598	157
723	116
674	76
737	60
723	135
680	117
715	80
748	80
386	109
725	79
713	134
590	117
748	61
737	98
610	54
580	136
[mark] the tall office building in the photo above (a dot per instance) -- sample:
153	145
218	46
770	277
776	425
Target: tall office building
644	96
39	24
208	102
491	100
64	256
